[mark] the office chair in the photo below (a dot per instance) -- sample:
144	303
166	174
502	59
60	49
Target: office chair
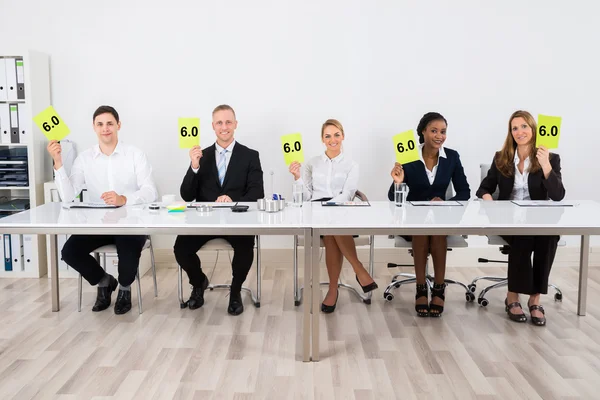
358	241
494	240
219	245
454	241
112	249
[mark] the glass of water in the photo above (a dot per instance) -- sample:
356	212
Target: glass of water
297	194
400	193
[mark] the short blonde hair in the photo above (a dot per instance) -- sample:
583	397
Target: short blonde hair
223	107
332	122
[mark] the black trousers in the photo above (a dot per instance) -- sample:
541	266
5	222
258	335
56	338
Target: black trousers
77	249
186	248
525	276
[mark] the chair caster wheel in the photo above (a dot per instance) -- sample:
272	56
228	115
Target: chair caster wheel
367	301
211	288
483	302
470	297
296	303
472	287
257	305
388	296
558	297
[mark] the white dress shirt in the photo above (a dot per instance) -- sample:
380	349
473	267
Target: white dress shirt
324	177
520	189
126	171
431	174
218	150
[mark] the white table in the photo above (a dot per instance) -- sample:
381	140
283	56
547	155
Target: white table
473	218
312	220
51	219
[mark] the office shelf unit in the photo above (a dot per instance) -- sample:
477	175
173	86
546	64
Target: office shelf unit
34	75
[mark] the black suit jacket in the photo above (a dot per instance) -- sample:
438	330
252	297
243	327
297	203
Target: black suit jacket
540	188
243	178
449	169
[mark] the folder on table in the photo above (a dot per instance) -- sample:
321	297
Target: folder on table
14	123
27	252
7	253
20	73
23	123
11	79
4	124
3	88
16	242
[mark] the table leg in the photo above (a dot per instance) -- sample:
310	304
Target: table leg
306	319
54	271
316	293
584	258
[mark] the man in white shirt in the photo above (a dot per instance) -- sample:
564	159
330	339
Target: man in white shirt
113	173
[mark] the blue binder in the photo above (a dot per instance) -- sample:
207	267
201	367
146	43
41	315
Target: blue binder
7	253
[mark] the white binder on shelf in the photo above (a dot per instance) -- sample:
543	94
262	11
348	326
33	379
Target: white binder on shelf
16	242
4	123
3	88
27	252
11	79
14	123
20	78
24	133
2	250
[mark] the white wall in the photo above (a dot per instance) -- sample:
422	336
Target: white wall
377	66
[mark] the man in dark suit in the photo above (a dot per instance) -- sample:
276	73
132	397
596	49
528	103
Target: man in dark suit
227	171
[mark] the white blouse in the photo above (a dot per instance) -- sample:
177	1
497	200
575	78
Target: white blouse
520	189
335	178
431	174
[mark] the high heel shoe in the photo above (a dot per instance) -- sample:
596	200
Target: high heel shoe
435	310
329	309
422	309
367	288
537	320
514	317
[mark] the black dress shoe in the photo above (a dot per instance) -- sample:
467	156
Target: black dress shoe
123	302
236	307
329	309
103	296
367	288
197	296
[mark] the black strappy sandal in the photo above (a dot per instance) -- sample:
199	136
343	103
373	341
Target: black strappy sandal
438	290
422	309
514	317
536	320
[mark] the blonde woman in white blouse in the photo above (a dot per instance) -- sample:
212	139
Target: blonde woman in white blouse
333	176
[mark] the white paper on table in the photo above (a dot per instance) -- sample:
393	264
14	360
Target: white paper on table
544	203
88	205
227	204
345	203
448	203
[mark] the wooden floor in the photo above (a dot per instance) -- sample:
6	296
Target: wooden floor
381	351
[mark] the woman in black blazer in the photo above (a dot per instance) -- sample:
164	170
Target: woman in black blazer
428	179
523	172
